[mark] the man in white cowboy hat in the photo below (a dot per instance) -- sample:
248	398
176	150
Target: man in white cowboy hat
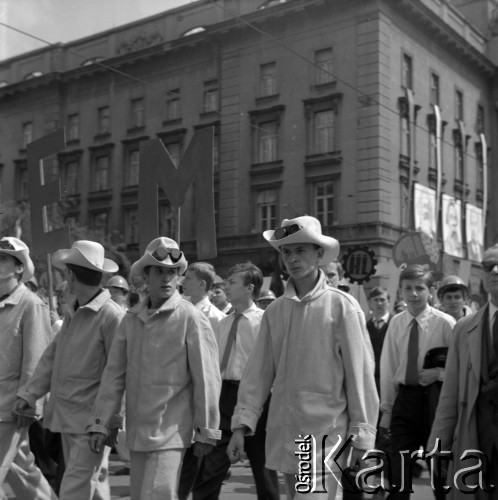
166	358
24	335
71	368
314	355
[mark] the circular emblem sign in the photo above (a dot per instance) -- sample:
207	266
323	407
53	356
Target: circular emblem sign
359	264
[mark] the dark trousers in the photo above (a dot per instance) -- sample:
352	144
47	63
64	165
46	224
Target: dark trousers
205	477
410	428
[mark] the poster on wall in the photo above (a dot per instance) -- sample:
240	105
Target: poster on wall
474	232
452	226
424	209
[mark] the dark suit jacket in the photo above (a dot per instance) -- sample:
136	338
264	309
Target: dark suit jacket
377	339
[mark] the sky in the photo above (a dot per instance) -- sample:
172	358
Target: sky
66	20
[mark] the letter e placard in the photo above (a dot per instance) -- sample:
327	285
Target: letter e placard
41	195
196	165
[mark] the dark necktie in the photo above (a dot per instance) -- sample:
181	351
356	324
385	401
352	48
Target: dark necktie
412	360
230	341
495	334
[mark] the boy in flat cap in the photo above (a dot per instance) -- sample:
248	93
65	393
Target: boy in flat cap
166	358
314	354
24	335
71	369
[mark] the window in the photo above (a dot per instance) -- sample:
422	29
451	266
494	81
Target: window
458	148
480	120
166	221
173	105
174	150
101	173
480	167
27	134
267	142
103	120
137	110
432	148
69	178
266	209
99	225
211	98
459	105
268	79
404	128
406	72
323	201
323	131
434	91
131	226
73	127
132	168
22	192
324	66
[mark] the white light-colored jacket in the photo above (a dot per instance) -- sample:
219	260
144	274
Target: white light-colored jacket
316	354
25	333
71	367
168	364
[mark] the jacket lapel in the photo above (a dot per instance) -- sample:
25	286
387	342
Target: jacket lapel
474	341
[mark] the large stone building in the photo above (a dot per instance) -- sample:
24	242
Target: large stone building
323	107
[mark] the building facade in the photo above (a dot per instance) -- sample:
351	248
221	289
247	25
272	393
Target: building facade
326	108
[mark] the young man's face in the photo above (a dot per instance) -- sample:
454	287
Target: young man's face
9	267
117	294
237	292
452	302
379	304
192	285
332	273
218	297
162	283
416	294
490	277
301	259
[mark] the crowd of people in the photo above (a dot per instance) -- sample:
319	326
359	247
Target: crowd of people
197	373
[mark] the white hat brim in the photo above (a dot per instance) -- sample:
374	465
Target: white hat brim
330	245
73	256
147	260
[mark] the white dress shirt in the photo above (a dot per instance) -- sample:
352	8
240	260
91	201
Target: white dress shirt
214	315
247	333
435	330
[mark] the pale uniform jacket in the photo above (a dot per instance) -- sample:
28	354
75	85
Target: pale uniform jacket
455	423
71	368
316	354
167	362
435	330
25	333
213	314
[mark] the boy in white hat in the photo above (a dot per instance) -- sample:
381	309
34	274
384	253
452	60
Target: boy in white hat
24	334
314	355
166	358
71	368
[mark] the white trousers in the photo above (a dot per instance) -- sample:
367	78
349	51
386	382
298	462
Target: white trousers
154	475
23	475
82	468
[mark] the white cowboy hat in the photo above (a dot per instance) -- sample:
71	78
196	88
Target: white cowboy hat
19	250
84	253
304	229
162	252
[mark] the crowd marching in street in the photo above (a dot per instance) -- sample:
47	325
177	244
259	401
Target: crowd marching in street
191	374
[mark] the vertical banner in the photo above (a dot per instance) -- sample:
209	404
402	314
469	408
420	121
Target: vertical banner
424	208
439	167
452	231
474	232
157	169
41	194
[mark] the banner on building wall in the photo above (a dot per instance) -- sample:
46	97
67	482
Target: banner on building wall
474	231
42	195
452	226
424	210
158	170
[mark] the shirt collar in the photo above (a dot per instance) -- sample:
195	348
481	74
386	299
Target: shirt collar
15	296
253	307
140	309
96	303
320	287
203	303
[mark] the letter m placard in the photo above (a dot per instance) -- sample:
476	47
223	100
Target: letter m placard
157	169
41	194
